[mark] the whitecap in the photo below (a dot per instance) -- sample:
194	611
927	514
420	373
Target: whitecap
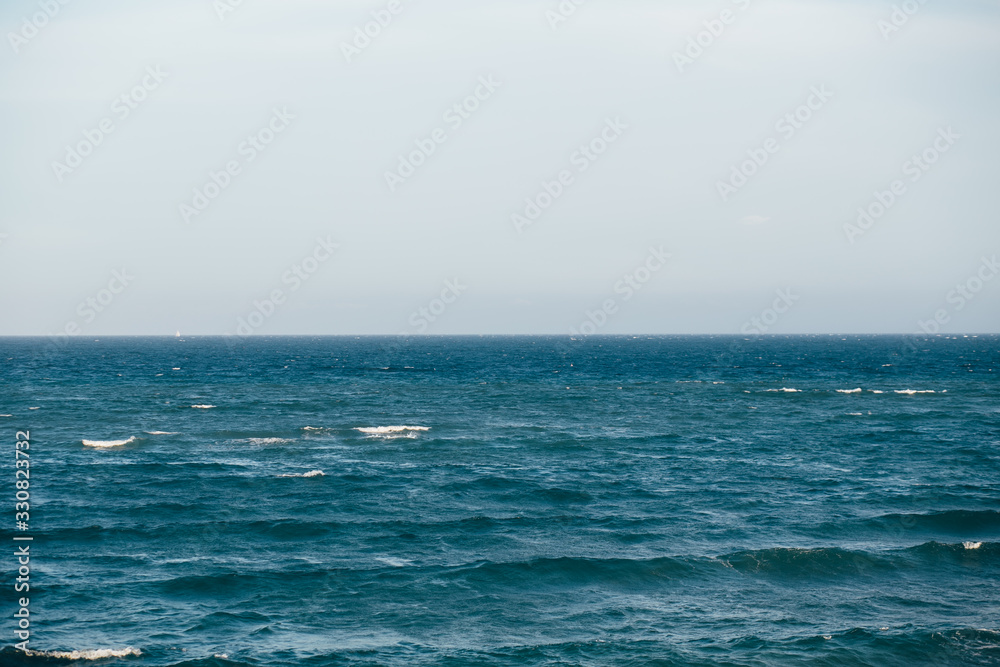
267	441
161	432
877	391
855	414
787	390
96	654
311	473
911	392
34	408
972	545
221	656
6	415
394	562
382	430
104	444
849	391
313	428
203	407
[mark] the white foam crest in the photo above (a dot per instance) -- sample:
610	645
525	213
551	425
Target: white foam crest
6	415
104	444
877	391
311	473
382	430
787	390
972	545
394	562
95	654
313	428
911	392
203	407
849	391
267	441
161	432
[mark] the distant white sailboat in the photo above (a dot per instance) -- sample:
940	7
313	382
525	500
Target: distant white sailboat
178	334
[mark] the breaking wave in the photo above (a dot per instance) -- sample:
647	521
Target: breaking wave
94	654
389	430
104	444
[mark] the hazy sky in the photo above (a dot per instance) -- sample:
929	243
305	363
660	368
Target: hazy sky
616	123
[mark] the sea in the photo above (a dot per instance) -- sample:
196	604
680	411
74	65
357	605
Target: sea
501	501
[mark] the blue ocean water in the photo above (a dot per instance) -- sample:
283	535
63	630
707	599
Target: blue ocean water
812	500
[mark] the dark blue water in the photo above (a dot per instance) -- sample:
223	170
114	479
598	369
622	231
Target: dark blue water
613	501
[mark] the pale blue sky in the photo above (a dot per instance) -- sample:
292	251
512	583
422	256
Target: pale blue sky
678	134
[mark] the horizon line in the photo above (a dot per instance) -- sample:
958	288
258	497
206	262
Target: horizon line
498	335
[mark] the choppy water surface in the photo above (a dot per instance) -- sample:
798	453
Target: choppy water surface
510	501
